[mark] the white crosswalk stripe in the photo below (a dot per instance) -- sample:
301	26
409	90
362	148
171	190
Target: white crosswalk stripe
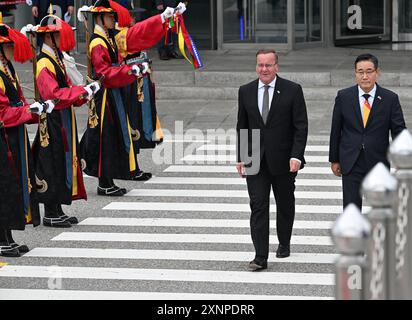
38	294
231	147
194	223
123	232
222	158
174	255
223	194
221	207
182	238
321	279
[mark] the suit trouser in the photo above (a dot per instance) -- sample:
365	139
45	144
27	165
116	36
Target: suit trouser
259	193
351	182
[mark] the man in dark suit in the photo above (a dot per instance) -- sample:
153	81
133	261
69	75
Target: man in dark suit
362	118
276	108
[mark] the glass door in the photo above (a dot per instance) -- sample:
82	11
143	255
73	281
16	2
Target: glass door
308	21
405	25
252	23
271	21
362	21
200	21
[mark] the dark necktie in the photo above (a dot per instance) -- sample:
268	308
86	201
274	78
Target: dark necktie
366	109
265	108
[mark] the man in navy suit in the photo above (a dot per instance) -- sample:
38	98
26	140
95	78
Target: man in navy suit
276	109
362	118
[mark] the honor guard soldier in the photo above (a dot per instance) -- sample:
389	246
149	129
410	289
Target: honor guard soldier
142	111
55	149
107	145
18	198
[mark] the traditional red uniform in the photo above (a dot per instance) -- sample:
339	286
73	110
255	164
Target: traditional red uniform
18	196
107	145
56	146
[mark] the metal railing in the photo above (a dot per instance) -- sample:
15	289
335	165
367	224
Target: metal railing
375	261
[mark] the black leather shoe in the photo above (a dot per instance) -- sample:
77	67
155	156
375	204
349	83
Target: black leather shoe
124	190
56	223
256	265
283	251
164	56
71	220
21	248
175	55
142	176
65	217
10	252
111	192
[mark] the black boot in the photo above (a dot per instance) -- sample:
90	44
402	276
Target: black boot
6	250
62	215
52	218
22	248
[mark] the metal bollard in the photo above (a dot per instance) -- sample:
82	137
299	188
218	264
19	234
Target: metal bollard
400	153
379	188
350	234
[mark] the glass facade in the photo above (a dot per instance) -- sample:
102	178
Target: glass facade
361	17
405	16
221	24
308	21
255	21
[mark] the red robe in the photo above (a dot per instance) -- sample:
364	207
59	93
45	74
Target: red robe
15	116
53	83
106	146
19	205
141	36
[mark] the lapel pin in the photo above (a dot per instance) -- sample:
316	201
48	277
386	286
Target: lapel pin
379	97
278	92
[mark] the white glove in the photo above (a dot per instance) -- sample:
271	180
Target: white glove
92	88
50	106
168	13
181	8
26	29
80	13
146	67
136	70
36	108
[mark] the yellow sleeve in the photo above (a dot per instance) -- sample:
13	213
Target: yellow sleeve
121	42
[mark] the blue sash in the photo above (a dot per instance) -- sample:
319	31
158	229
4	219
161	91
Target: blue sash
66	116
147	111
121	113
24	178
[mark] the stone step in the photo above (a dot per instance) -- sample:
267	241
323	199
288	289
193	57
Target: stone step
335	78
230	93
236	79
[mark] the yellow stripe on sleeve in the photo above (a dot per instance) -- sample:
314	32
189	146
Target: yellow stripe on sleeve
95	42
44	63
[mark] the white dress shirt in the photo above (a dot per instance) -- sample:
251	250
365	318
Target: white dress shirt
261	92
372	94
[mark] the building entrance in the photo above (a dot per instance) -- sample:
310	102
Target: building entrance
362	21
